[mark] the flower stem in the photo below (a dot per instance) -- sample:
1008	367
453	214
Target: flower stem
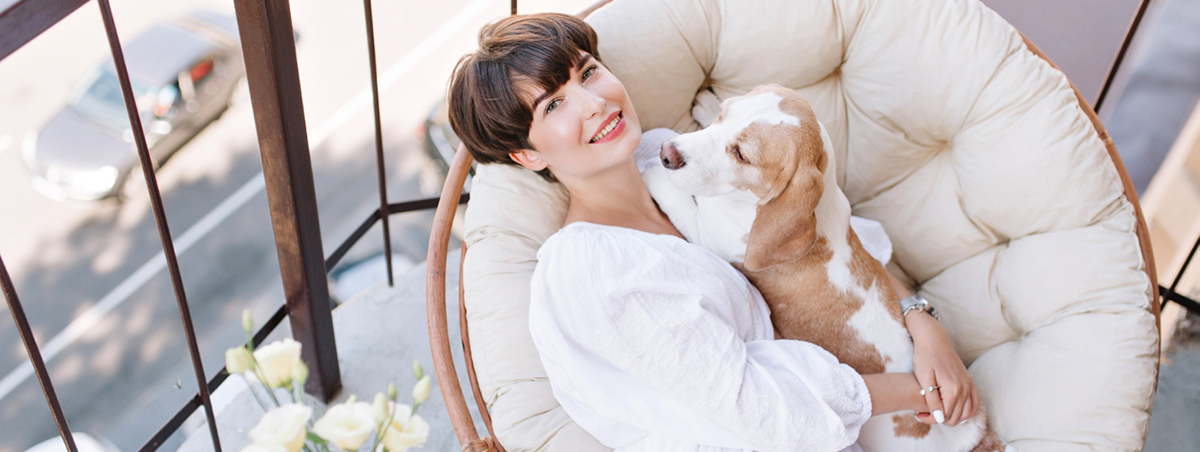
258	399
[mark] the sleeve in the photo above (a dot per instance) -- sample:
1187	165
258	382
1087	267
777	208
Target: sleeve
653	354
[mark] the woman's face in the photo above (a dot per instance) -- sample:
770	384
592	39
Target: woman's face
585	127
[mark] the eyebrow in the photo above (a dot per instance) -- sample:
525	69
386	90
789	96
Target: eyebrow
578	66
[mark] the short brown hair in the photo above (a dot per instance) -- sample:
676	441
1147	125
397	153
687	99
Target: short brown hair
487	111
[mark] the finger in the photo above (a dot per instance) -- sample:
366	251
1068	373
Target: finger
933	399
955	401
968	409
925	418
975	403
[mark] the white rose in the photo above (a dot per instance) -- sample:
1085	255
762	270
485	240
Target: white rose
238	360
275	362
283	426
346	425
406	429
255	447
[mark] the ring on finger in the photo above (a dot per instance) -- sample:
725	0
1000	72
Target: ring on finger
928	390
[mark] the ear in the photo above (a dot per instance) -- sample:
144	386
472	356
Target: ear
528	158
785	227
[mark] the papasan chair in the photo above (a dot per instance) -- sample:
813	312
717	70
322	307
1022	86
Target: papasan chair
1006	202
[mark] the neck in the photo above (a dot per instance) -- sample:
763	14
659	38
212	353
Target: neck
617	197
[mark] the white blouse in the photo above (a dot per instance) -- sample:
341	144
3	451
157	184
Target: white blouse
652	343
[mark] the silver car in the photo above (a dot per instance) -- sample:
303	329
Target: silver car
183	73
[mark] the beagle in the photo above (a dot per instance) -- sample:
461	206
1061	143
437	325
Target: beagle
768	161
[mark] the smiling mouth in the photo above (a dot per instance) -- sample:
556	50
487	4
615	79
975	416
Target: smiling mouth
608	128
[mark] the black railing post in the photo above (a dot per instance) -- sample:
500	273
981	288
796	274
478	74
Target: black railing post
160	214
380	170
269	48
35	357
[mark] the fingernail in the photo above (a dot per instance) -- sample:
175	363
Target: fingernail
939	416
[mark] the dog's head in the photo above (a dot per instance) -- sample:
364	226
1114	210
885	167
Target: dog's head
767	142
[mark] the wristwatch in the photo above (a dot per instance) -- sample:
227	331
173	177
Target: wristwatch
916	302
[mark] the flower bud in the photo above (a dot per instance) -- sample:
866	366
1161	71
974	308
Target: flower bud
380	408
247	322
392	392
238	360
417	370
421	390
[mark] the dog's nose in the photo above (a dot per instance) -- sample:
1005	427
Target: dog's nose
671	158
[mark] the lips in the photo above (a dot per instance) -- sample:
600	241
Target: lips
611	128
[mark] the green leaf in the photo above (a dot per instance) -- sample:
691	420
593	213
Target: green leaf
313	438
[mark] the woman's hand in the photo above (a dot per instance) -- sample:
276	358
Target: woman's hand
935	363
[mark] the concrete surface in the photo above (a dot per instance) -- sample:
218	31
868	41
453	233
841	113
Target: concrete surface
379	334
1173	426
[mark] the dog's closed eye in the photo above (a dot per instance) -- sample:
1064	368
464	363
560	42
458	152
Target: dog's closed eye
737	152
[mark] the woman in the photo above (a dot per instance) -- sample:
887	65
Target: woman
652	343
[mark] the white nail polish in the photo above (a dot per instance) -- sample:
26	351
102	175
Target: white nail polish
939	416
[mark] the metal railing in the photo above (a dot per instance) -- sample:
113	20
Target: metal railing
268	45
269	51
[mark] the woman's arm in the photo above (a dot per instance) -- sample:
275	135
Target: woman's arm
894	392
634	344
935	363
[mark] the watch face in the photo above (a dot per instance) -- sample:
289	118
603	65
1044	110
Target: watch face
911	300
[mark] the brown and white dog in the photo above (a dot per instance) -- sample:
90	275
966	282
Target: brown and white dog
768	153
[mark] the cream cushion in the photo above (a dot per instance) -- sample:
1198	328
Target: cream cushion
1002	202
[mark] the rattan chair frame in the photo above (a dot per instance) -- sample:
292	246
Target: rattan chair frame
439	340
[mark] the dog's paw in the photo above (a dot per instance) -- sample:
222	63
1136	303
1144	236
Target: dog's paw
679	205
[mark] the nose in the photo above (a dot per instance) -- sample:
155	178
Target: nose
670	156
593	103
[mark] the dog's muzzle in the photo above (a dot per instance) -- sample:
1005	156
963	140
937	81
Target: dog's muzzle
670	156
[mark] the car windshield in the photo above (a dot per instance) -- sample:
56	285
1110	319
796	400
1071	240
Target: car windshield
99	98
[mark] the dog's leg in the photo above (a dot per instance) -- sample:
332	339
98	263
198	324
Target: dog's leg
679	206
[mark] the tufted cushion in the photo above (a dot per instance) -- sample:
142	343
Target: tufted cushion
999	194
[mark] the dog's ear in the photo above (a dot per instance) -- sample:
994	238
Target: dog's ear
785	227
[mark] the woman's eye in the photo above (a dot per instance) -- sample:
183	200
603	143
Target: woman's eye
552	105
588	73
737	152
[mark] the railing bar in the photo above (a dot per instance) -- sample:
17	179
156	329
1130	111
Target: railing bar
160	214
270	326
1183	268
35	357
188	408
421	204
339	253
24	20
281	313
1116	65
1170	295
269	50
402	207
173	424
379	168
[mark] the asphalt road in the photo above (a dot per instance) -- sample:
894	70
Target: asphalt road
95	264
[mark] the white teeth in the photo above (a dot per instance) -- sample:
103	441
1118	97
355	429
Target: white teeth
607	129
